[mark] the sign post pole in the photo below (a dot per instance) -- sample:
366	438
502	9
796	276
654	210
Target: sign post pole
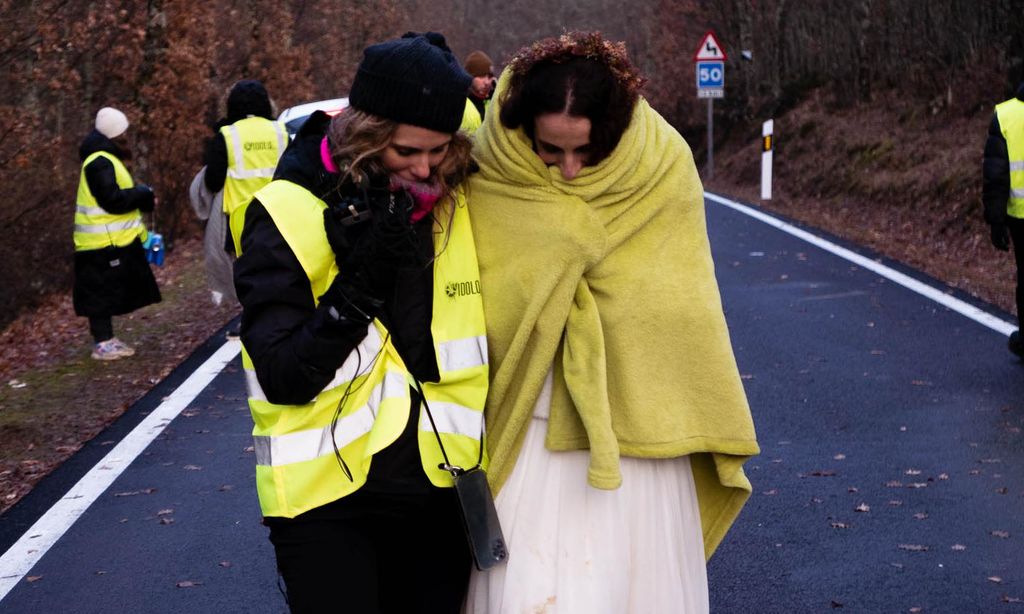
711	139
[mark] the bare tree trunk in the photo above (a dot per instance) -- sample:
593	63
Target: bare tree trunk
864	61
781	33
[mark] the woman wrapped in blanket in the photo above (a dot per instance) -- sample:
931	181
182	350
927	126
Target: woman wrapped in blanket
617	422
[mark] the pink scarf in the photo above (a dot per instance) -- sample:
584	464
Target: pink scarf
425	195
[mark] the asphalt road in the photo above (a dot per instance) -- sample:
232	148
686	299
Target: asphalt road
891	477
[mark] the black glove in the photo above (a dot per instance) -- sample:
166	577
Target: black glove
1000	237
146	198
348	241
372	238
347	303
395	243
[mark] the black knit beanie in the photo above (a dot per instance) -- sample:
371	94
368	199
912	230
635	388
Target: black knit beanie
412	80
248	97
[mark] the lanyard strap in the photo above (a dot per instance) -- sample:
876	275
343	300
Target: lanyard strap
455	470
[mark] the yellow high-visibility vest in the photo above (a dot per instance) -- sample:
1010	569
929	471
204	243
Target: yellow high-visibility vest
296	466
254	146
1011	123
95	227
471	120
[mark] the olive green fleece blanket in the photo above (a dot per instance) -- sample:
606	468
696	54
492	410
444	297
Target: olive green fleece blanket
607	279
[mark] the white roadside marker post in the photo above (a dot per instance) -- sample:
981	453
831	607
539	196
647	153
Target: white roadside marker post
767	143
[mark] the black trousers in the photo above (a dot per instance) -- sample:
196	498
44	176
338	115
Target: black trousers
1016	227
373	552
101	328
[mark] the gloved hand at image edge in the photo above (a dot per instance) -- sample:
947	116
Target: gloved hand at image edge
1000	237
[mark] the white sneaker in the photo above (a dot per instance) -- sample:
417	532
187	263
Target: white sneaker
112	349
123	348
106	350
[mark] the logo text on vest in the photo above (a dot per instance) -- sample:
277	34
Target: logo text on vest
259	146
462	288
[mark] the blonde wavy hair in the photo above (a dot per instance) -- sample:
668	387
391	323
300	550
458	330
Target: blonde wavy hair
358	139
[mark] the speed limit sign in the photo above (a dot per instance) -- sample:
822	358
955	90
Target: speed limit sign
710	79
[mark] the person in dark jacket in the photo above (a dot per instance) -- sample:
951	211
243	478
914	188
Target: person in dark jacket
240	159
1003	192
363	331
112	276
479	65
247	98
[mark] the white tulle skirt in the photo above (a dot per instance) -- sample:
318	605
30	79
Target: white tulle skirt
575	549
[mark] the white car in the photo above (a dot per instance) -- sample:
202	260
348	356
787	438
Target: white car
294	117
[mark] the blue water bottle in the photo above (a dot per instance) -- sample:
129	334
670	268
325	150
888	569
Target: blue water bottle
155	249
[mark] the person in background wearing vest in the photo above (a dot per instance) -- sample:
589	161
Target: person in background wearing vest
364	341
478	64
241	158
1003	192
617	424
112	276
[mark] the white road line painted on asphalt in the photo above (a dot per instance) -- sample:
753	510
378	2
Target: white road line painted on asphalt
955	304
26	552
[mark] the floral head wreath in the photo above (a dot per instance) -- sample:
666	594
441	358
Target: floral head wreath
589	45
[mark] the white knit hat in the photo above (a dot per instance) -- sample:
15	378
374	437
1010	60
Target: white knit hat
110	122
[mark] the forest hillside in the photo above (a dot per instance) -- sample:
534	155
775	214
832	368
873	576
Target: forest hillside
880	106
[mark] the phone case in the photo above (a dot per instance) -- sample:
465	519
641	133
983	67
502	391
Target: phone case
480	519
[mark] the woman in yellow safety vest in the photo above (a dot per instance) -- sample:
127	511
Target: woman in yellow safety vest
240	159
112	276
363	337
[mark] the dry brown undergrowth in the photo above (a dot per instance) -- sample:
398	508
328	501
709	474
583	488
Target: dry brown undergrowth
54	397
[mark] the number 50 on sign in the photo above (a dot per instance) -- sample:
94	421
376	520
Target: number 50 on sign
710	74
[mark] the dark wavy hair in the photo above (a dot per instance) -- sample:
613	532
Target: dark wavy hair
578	73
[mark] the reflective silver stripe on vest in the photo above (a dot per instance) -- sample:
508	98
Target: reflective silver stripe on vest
253	384
462	353
1017	165
359	361
251	173
108	228
311	444
86	209
1017	193
239	171
453	419
282	138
